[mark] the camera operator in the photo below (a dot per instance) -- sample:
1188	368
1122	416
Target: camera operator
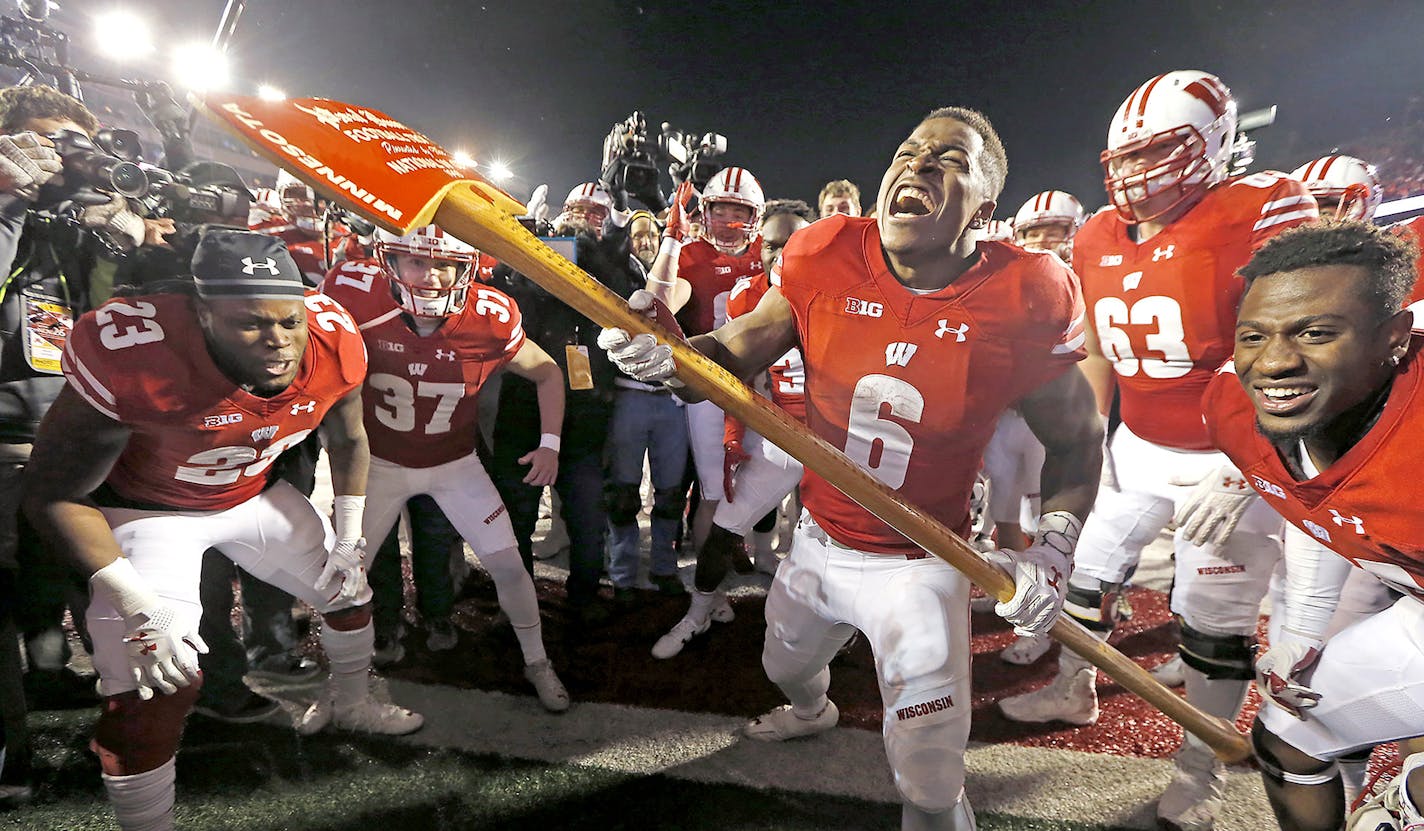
58	254
572	340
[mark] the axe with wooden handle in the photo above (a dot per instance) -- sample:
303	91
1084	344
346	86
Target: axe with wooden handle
399	179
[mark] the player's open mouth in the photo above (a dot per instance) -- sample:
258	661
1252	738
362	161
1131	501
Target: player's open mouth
1285	400
276	369
911	200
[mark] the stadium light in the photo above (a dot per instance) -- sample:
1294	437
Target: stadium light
500	172
122	35
200	67
267	92
463	159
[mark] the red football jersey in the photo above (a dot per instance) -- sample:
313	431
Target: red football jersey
712	275
420	395
911	386
199	442
1414	228
1363	506
788	374
1165	310
307	249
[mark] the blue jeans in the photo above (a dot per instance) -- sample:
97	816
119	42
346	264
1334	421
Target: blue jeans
650	423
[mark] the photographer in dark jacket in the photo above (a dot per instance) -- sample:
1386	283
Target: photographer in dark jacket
571	339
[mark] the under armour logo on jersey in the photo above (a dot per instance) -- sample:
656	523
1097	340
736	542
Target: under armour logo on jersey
417	369
1164	253
264	433
1131	281
309	407
958	331
269	265
445	354
1317	530
899	353
1342	521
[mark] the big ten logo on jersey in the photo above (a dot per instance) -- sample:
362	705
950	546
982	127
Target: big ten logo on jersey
1169	340
225	465
868	308
1267	486
357	275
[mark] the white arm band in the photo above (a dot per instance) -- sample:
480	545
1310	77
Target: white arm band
671	247
550	441
347	517
1314	578
123	588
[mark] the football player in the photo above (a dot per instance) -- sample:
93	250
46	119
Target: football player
586	210
896	319
1048	222
159	447
1344	187
1320	416
695	280
434	337
757	474
296	222
1158	275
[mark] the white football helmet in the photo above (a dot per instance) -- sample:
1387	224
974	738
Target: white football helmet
997	230
428	241
1352	185
296	201
1168	142
738	186
590	201
265	205
1050	208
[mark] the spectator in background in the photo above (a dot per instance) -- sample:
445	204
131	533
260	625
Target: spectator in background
840	196
643	236
431	539
571	340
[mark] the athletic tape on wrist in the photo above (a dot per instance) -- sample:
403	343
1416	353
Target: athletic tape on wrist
550	441
346	517
120	584
671	247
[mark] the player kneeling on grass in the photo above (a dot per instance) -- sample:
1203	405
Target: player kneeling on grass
161	446
896	319
433	340
1323	417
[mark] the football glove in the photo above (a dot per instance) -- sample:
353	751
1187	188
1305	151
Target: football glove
1210	514
162	650
1040	574
639	356
1279	667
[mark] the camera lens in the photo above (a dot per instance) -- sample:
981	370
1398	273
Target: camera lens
128	179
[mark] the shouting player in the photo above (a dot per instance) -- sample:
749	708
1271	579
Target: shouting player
1322	417
160	447
434	337
915	337
1159	279
756	474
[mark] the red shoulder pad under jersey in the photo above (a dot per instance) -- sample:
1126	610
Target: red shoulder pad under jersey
1362	506
712	275
911	386
419	398
198	441
1164	310
1414	230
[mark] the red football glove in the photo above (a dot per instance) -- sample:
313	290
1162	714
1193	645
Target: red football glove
732	457
684	202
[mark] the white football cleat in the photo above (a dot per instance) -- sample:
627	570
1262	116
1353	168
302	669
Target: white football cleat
722	610
681	634
1070	697
1195	793
783	723
547	684
1170	673
368	715
1026	649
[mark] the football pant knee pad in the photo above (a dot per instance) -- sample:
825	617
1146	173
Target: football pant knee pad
1217	656
135	736
1093	603
928	761
669	503
1302	770
622	503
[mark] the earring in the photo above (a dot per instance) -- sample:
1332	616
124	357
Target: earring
1394	360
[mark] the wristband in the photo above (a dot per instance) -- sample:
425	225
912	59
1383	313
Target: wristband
652	279
347	517
671	247
550	441
125	590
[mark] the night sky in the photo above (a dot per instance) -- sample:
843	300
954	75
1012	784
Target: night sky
807	92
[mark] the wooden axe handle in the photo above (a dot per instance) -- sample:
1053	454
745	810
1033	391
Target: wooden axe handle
475	220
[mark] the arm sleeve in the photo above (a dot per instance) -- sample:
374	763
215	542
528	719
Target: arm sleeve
1314	578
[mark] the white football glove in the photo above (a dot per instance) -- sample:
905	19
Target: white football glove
1040	574
123	227
1278	668
346	561
1210	514
639	356
162	652
26	163
538	205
